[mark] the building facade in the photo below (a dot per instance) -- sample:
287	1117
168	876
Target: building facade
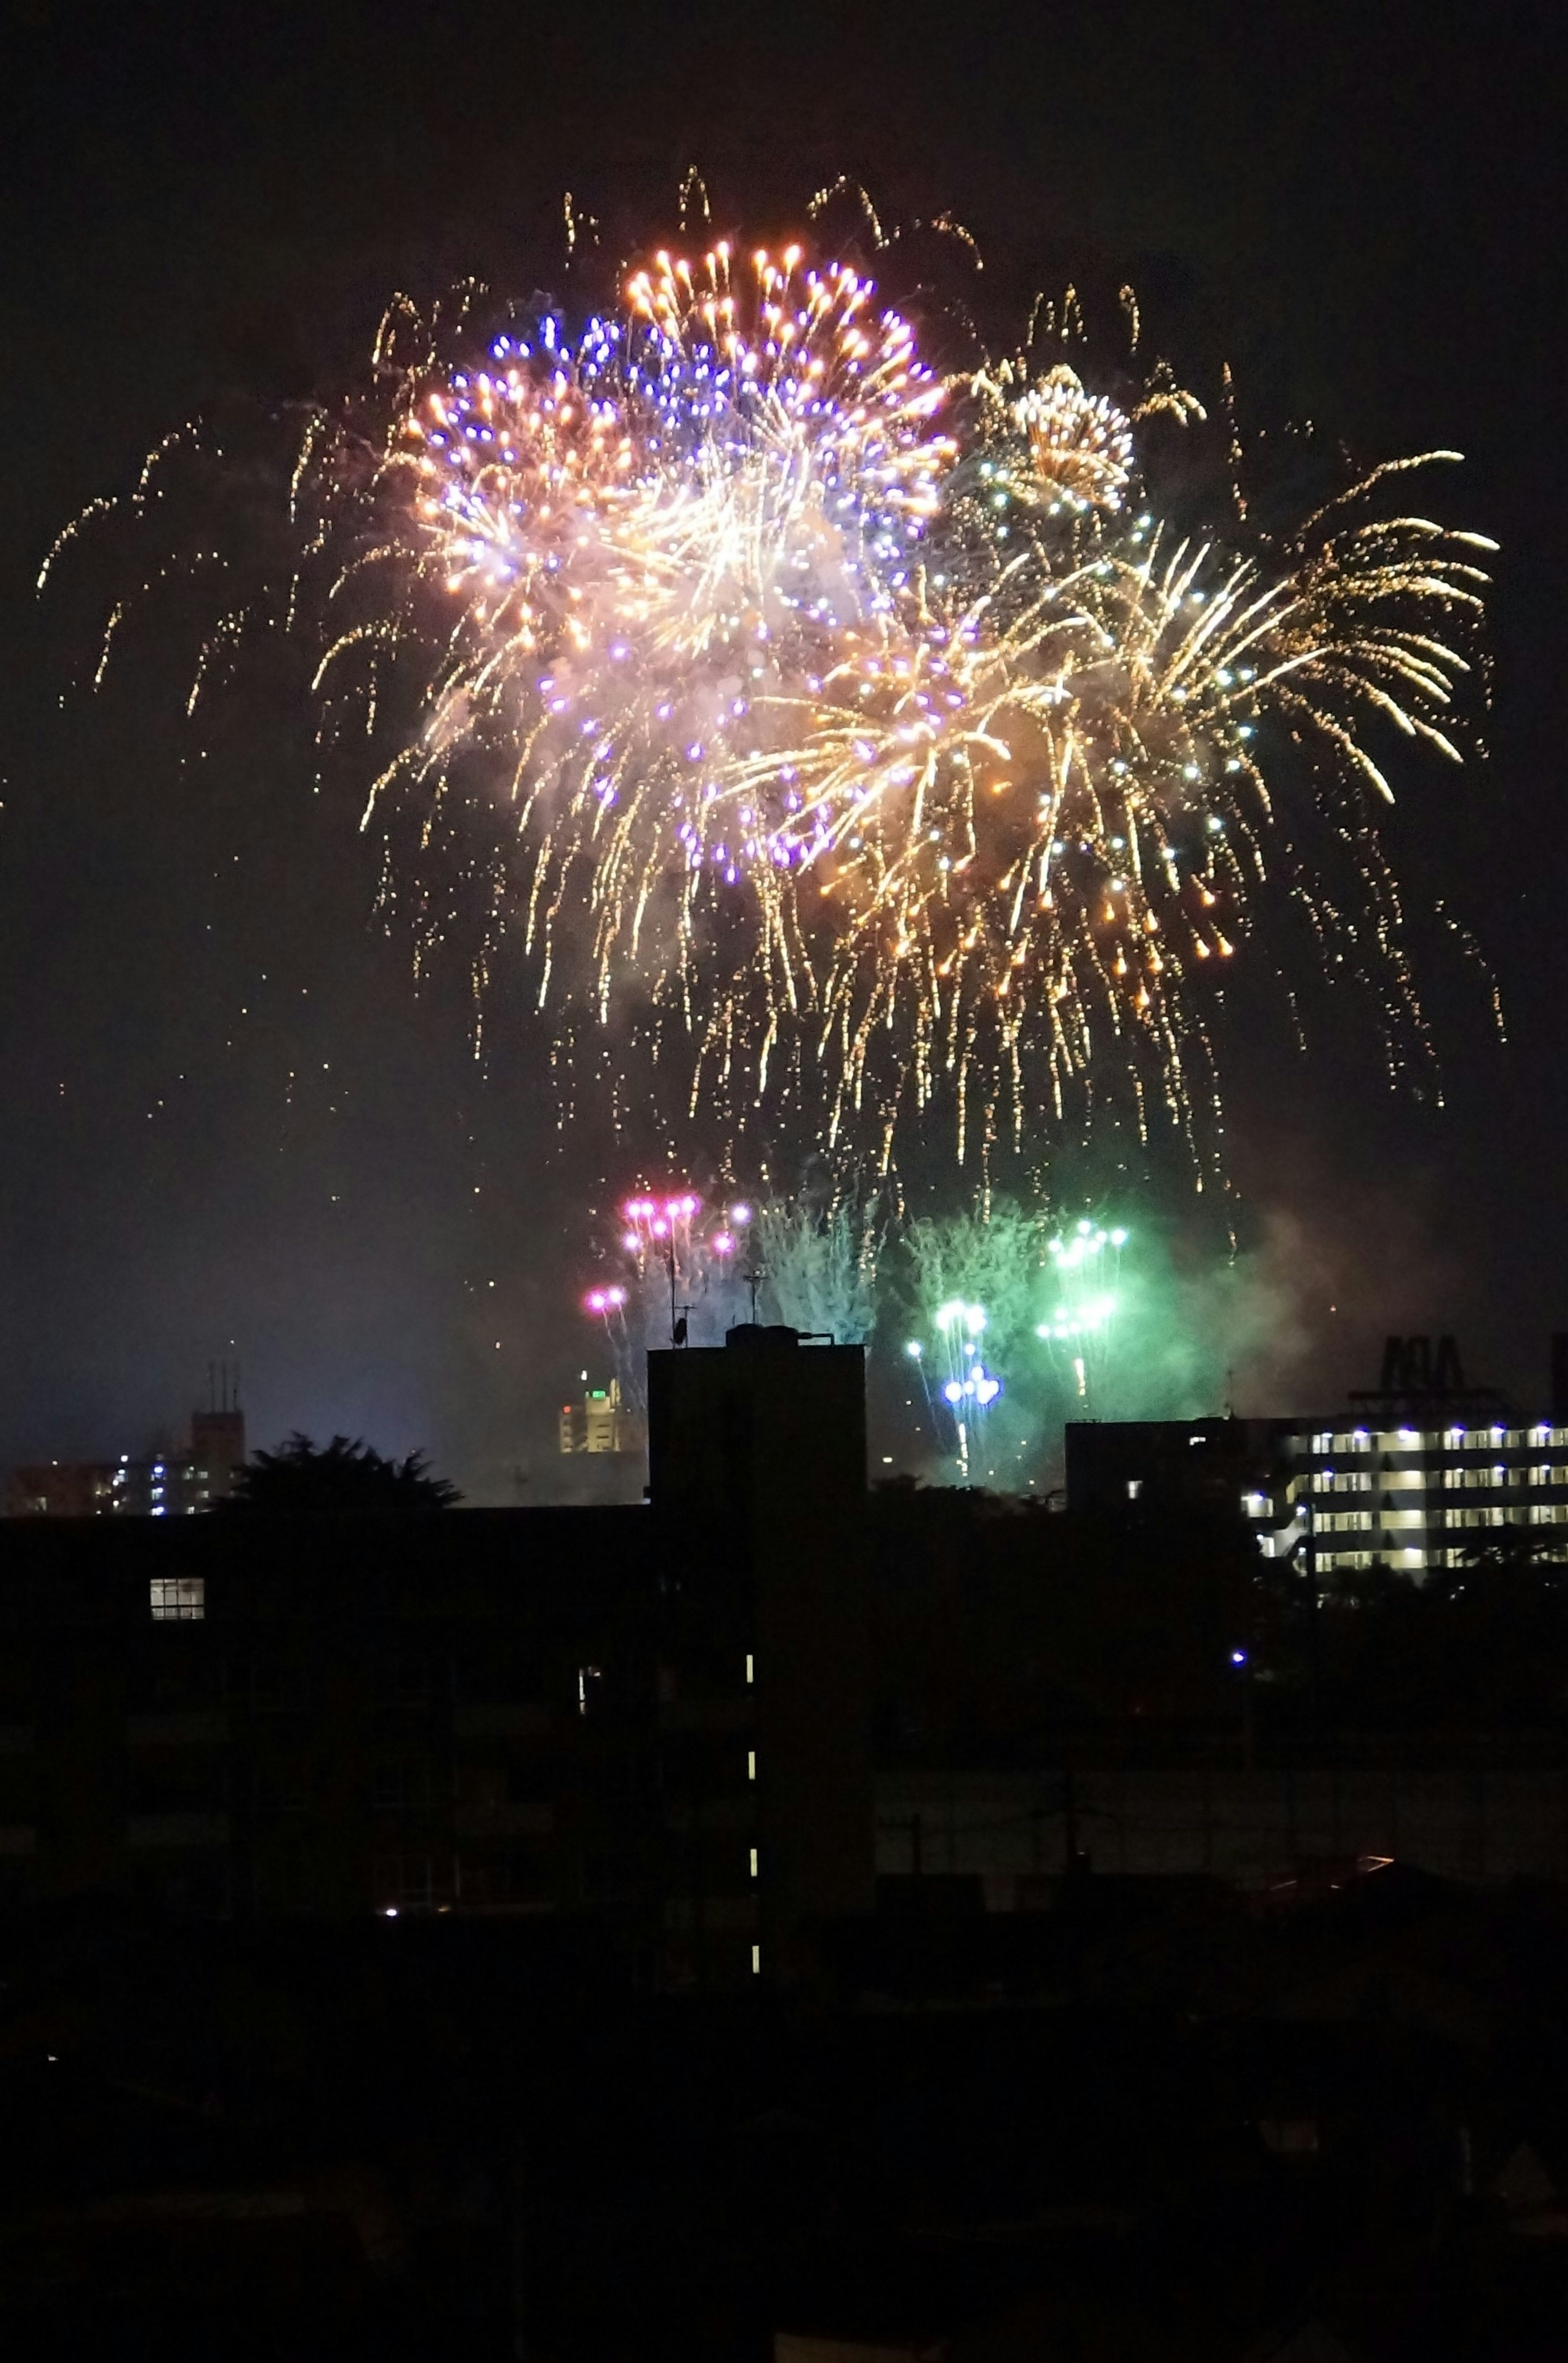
1417	1498
603	1421
1411	1477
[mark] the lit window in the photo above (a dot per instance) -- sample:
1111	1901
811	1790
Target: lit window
750	1764
756	1960
753	1863
1134	1487
182	1597
751	1669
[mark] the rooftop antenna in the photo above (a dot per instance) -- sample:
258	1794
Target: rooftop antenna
753	1279
675	1323
1229	1394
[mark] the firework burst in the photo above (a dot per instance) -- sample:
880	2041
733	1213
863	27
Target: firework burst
1072	810
870	739
656	547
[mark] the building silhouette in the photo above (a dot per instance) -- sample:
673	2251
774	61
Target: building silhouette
654	1718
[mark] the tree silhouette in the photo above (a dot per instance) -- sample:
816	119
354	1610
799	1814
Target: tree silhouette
1514	1547
302	1477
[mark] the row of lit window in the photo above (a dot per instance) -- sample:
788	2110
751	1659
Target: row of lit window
1545	1472
1331	1562
1447	1439
1404	1521
1491	1479
1537	1513
1335	1561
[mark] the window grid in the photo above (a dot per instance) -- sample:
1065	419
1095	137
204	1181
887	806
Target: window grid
178	1599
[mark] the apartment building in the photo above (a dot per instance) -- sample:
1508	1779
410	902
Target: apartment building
1414	1498
1408	1477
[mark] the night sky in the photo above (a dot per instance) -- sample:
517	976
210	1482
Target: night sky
231	1121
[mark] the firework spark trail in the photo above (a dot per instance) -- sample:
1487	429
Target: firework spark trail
674	1262
811	1266
1081	1311
1060	848
874	730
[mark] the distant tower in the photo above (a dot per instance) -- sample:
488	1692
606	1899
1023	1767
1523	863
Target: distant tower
602	1422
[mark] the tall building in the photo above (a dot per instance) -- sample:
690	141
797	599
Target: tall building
1408	1477
757	1462
602	1422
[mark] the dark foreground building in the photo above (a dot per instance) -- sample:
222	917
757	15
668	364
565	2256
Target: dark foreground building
655	1717
456	1933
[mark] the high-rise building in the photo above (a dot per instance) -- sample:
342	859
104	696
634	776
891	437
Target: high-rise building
757	1462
